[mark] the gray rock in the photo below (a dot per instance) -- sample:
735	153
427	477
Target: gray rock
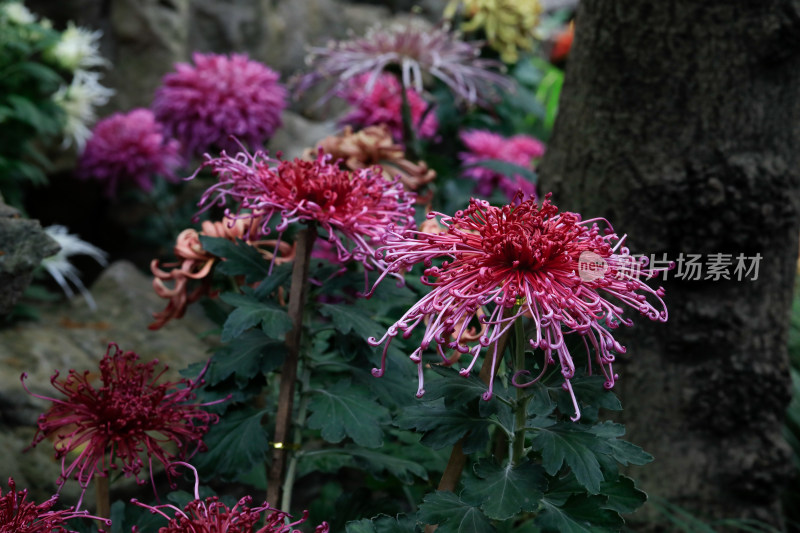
298	133
23	245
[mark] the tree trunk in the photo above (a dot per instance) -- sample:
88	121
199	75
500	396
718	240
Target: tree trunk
680	123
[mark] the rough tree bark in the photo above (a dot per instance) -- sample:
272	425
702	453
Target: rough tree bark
680	123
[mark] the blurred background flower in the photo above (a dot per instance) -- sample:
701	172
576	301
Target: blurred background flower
60	267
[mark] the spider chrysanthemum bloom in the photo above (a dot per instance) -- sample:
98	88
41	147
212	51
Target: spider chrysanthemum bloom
483	145
356	206
521	260
20	515
382	103
416	51
509	25
129	148
212	515
220	96
126	416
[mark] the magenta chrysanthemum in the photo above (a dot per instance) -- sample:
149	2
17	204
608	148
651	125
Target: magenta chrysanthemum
126	416
358	205
383	104
20	515
129	148
211	515
415	50
204	104
482	145
514	261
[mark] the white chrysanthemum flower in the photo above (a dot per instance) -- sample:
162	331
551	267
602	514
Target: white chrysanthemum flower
78	48
17	13
79	100
62	270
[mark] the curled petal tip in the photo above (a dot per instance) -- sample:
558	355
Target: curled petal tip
486	396
377	372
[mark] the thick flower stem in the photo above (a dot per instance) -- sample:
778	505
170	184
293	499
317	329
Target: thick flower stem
521	411
102	497
283	418
302	413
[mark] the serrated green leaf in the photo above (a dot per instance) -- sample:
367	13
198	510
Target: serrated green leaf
579	514
349	318
504	491
382	524
239	258
623	496
627	453
452	514
442	426
251	312
590	392
347	409
248	355
235	443
578	448
453	387
376	463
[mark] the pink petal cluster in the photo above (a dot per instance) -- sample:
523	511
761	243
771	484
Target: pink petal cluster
204	104
211	515
127	415
515	261
358	206
381	102
129	149
20	515
195	264
520	150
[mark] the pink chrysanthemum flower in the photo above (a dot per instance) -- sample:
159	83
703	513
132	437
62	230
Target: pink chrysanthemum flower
358	206
521	260
204	104
383	104
20	515
126	416
129	148
211	515
483	145
415	50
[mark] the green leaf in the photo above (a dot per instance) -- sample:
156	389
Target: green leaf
376	463
568	442
505	168
348	318
590	392
623	451
623	496
239	258
504	491
453	387
234	444
443	426
382	524
250	312
579	514
347	409
250	354
452	514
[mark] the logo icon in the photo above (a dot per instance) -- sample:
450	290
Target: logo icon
591	266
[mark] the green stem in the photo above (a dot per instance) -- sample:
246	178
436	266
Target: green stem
409	136
302	413
283	417
102	496
521	411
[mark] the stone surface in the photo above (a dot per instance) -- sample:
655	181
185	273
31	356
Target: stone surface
70	335
298	133
23	245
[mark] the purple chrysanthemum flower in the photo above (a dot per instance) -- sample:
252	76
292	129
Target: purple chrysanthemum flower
129	148
212	515
20	515
483	145
415	50
125	416
500	264
383	104
357	206
204	104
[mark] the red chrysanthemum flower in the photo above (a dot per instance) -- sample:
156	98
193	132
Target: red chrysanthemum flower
483	145
355	205
211	515
127	416
382	103
204	104
521	260
129	148
19	515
